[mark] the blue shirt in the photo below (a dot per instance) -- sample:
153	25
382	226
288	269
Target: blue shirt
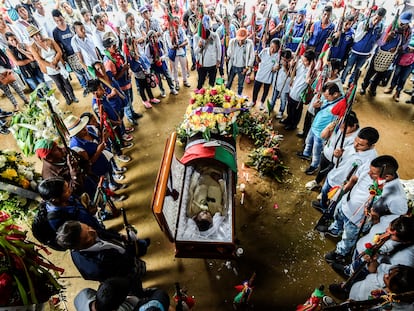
64	38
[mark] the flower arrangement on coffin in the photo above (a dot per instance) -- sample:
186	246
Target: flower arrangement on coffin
18	181
35	121
266	157
26	276
211	111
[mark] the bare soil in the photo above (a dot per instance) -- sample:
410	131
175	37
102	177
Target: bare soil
274	226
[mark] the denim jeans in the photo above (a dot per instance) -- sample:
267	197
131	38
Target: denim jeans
353	60
128	109
401	74
283	100
34	81
240	83
349	231
324	192
313	147
82	77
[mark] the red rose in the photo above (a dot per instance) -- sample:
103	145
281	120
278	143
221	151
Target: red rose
368	245
198	112
210	104
213	92
227	98
192	101
275	158
201	91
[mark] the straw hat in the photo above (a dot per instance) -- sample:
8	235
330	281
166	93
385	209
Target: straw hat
32	30
241	34
75	124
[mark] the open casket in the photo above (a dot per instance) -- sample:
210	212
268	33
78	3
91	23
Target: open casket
207	174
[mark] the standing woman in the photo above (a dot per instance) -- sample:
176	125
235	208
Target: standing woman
49	56
268	64
20	55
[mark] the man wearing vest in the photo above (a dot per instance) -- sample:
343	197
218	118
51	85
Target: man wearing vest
366	35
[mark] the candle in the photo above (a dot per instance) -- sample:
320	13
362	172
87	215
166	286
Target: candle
242	187
242	198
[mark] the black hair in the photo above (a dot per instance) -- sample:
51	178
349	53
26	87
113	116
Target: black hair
9	35
275	41
128	15
96	17
310	55
77	23
203	224
68	234
328	9
111	293
86	114
389	163
370	134
403	280
56	13
335	65
93	85
83	11
350	18
52	188
331	87
352	119
404	228
287	53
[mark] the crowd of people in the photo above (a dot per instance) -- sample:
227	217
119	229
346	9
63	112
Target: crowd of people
300	55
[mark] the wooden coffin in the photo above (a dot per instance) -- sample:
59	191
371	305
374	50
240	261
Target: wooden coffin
180	187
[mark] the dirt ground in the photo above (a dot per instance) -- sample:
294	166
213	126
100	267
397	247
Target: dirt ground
279	244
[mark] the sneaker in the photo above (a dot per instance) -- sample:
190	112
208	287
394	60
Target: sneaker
333	234
303	156
106	215
339	268
118	177
282	121
261	106
137	115
116	186
177	86
362	92
132	121
396	96
147	104
372	93
338	291
300	135
279	115
408	92
186	84
85	92
120	170
318	206
75	100
311	170
155	101
193	67
163	94
333	256
5	114
252	104
126	145
174	92
129	129
247	80
127	137
123	158
388	91
311	185
4	130
119	197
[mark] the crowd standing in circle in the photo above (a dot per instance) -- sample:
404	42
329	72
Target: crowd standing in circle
304	54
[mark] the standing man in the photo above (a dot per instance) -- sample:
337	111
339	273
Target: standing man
241	58
84	47
366	36
208	55
321	30
63	35
190	26
43	18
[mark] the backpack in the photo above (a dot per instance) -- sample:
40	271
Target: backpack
41	228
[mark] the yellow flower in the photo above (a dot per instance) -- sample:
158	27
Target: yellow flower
24	183
9	173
